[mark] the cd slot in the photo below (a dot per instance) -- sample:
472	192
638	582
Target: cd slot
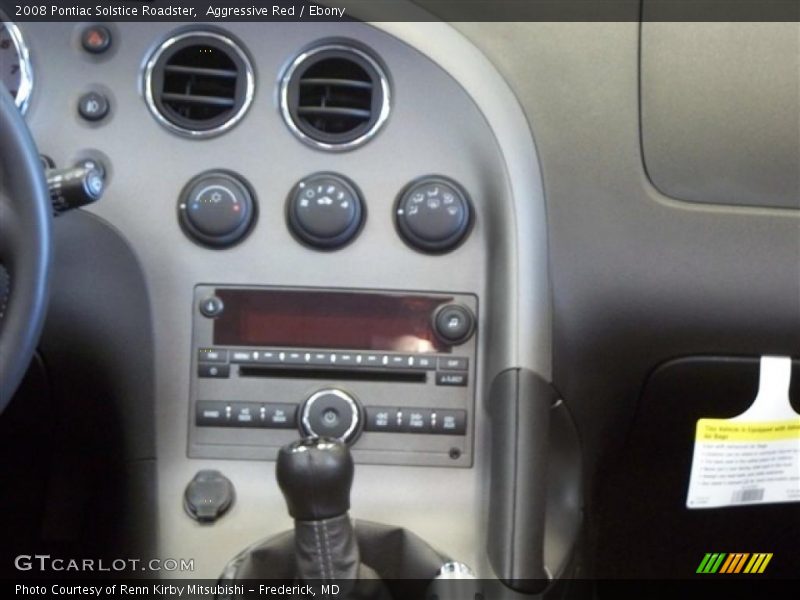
303	372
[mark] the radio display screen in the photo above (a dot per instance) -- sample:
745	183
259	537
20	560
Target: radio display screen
324	319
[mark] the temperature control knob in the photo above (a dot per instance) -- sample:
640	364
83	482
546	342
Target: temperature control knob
216	208
433	214
325	210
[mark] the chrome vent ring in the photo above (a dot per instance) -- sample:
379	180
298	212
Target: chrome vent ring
335	97
199	83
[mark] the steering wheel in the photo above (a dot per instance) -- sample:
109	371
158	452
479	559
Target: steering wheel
25	247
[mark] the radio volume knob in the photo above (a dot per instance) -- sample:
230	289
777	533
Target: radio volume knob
331	413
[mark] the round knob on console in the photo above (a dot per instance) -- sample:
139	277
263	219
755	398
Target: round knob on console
454	323
433	214
325	211
216	209
315	476
331	413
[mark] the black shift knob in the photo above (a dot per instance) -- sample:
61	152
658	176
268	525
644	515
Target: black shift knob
315	475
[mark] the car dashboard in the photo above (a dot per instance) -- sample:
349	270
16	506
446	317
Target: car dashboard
508	265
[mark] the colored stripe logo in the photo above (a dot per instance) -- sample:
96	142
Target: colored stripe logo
734	562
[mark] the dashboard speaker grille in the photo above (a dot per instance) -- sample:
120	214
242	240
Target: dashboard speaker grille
335	97
199	84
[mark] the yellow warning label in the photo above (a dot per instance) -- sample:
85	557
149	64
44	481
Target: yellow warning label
726	430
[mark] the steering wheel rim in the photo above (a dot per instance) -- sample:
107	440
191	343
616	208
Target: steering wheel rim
25	246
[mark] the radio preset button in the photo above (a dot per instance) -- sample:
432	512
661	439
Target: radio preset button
425	362
455	379
398	361
320	358
345	359
453	363
212	355
294	358
372	360
268	357
213	370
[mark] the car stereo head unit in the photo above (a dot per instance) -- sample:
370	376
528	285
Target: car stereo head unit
390	373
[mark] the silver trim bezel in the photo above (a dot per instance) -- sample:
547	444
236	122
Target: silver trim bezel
25	90
348	435
194	133
383	116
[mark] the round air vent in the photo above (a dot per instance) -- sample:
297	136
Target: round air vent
335	97
199	84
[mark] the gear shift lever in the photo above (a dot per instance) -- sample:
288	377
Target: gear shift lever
315	475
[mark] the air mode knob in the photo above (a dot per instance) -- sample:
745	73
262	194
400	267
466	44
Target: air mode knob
433	214
325	211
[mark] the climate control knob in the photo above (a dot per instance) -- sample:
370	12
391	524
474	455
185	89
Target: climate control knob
216	209
331	413
325	211
433	214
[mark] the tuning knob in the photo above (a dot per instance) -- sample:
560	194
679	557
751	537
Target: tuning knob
454	323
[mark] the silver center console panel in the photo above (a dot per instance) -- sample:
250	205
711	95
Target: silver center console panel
452	115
